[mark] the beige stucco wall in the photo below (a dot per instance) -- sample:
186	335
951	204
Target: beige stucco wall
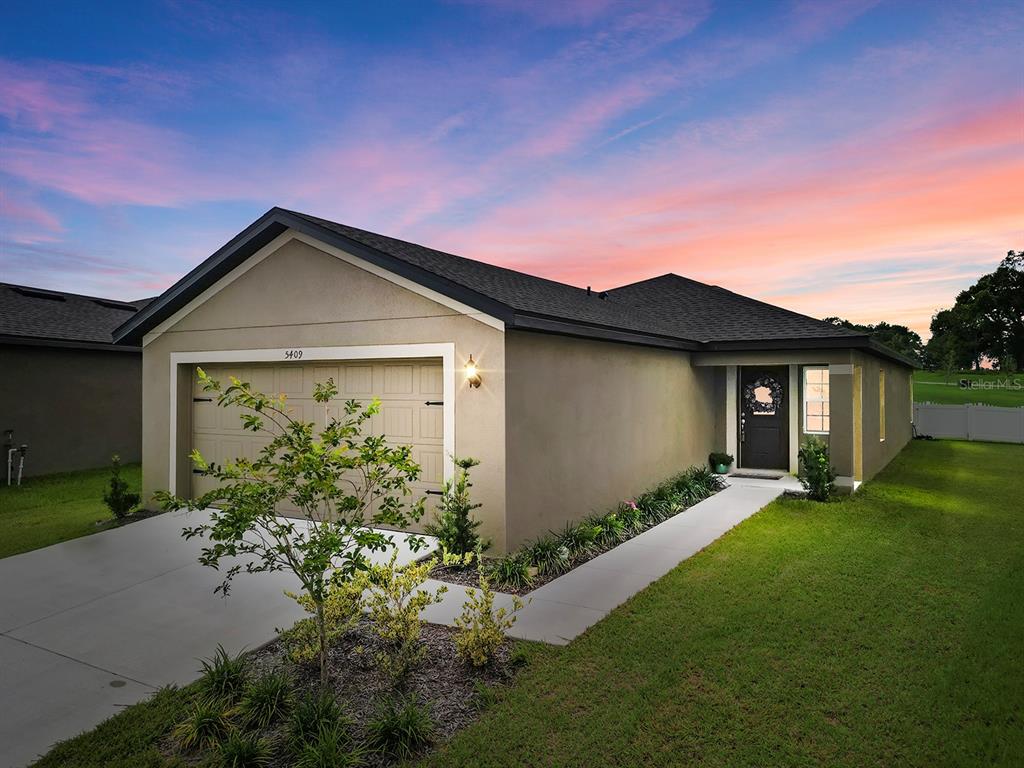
898	411
303	297
590	423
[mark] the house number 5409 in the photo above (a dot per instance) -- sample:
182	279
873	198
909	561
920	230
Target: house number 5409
293	354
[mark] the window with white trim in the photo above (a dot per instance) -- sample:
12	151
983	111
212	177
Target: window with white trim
816	416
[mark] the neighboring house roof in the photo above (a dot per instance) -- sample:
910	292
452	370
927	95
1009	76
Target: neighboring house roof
57	318
668	311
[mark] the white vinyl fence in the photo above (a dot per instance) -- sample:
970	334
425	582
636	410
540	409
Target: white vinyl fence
970	422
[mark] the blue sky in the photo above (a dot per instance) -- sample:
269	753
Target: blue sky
856	158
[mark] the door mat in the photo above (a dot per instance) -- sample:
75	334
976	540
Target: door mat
757	476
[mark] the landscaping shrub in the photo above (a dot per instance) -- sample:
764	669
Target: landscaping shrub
395	603
401	727
118	498
513	571
342	608
329	748
265	700
243	750
580	539
816	473
549	556
632	518
453	526
481	629
204	726
312	715
223	677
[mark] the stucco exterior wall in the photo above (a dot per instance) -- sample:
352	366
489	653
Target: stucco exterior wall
303	297
898	411
73	407
591	423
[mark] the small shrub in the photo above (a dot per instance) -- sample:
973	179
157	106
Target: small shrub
580	539
717	459
223	677
204	726
242	750
265	700
453	560
549	556
511	571
312	715
632	518
480	629
401	727
816	473
613	530
395	603
453	526
118	498
342	606
329	748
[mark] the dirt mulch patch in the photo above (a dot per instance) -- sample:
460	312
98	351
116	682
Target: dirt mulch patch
453	691
134	517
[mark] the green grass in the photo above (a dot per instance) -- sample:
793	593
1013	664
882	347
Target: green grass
53	508
940	387
884	630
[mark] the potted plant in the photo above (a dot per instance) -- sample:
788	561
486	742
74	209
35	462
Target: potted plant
720	462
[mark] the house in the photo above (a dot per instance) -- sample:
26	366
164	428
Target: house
66	390
584	397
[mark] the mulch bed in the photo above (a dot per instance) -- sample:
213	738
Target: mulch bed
134	517
450	688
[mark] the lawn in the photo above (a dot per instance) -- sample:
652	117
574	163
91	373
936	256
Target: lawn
53	508
940	387
883	630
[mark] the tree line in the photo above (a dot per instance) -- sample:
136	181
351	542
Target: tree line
985	324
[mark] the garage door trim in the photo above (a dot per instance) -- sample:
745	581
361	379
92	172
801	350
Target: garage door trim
443	350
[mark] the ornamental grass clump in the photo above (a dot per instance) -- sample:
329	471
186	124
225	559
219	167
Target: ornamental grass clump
244	750
311	716
223	677
513	571
401	727
204	726
265	700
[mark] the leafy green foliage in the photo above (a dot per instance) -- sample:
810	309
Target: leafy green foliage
717	458
205	724
816	473
313	715
511	571
244	750
120	500
329	748
453	524
223	677
342	608
481	629
549	556
396	600
580	539
401	727
898	338
266	699
339	479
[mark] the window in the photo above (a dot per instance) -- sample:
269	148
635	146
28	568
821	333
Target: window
816	416
881	405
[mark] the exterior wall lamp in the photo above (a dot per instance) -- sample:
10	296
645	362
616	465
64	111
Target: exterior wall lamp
473	377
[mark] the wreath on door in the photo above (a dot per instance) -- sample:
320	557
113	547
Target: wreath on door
751	401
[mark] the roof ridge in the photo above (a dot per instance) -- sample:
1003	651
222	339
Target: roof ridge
17	286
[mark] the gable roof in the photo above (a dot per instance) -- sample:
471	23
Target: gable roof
30	315
668	311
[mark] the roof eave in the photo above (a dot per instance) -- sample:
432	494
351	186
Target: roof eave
41	341
546	324
815	342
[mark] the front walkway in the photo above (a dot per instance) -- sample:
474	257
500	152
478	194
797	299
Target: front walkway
93	624
564	608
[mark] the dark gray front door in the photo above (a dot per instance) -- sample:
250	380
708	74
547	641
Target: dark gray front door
764	422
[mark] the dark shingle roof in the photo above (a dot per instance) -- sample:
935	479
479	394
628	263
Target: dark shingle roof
517	290
668	311
38	313
708	313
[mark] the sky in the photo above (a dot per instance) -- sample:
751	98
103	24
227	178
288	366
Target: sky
853	158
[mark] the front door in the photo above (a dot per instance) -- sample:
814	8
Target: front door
764	422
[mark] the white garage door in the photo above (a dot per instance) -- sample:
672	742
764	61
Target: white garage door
411	411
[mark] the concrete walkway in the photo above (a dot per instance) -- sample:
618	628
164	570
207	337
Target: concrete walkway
91	625
564	608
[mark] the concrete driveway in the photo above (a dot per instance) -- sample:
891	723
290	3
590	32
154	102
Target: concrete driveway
94	624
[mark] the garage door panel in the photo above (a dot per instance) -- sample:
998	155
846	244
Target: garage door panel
404	419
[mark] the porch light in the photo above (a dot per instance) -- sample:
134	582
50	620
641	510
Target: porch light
473	377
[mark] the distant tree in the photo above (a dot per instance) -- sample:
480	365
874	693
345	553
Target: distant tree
898	338
987	321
